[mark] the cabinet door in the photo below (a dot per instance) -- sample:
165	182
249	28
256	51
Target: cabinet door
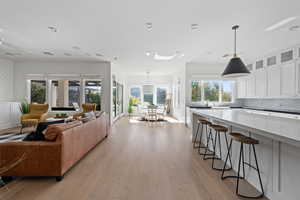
250	84
288	80
261	83
274	79
241	88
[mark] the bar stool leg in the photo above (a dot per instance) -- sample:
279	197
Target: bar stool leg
228	150
210	138
258	172
214	151
195	139
226	159
239	168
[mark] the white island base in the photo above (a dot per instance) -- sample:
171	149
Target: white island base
278	152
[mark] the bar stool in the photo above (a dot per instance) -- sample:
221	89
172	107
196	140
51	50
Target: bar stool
203	123
242	139
218	130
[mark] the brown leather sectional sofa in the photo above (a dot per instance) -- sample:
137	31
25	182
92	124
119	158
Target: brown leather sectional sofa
55	158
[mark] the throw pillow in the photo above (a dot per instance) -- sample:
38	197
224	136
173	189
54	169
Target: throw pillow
38	134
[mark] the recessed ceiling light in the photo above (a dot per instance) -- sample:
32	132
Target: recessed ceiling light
52	29
9	54
99	54
149	26
76	48
48	53
194	26
148	53
161	57
294	28
280	23
67	54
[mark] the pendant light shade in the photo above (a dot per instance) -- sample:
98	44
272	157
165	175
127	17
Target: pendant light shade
236	67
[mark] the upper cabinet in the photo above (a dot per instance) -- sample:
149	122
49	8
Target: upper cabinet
275	76
250	85
274	81
288	80
261	83
288	74
241	88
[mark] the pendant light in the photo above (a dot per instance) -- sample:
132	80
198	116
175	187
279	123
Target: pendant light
236	67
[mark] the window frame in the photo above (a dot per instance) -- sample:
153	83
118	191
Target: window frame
52	77
220	91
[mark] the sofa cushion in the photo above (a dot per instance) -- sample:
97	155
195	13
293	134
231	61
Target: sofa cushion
57	129
89	115
85	119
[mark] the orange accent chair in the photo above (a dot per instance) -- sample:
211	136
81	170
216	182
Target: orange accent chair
37	113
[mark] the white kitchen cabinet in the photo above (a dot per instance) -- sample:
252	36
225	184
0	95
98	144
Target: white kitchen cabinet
250	86
274	79
261	83
288	80
241	88
298	76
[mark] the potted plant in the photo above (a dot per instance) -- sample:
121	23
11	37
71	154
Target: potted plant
130	106
24	107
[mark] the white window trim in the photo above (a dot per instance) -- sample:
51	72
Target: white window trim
50	77
220	91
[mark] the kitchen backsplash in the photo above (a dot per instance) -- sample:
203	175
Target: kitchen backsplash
280	104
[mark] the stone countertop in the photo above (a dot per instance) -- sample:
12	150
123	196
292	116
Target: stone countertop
279	126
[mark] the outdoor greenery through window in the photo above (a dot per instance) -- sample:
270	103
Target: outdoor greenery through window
161	95
38	91
212	91
93	93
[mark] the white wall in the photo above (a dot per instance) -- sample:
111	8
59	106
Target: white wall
28	68
178	91
9	115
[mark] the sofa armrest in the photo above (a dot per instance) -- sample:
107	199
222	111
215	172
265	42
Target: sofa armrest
42	158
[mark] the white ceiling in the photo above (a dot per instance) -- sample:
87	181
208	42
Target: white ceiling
116	28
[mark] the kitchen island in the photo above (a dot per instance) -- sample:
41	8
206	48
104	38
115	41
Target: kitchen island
278	151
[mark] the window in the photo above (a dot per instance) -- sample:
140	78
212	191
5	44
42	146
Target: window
93	92
212	91
38	91
148	93
64	93
135	92
117	98
161	95
227	91
196	91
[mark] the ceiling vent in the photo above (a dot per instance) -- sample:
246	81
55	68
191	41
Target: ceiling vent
48	53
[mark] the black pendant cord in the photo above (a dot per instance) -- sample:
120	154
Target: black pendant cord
235	28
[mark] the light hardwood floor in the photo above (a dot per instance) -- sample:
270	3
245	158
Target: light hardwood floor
136	162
